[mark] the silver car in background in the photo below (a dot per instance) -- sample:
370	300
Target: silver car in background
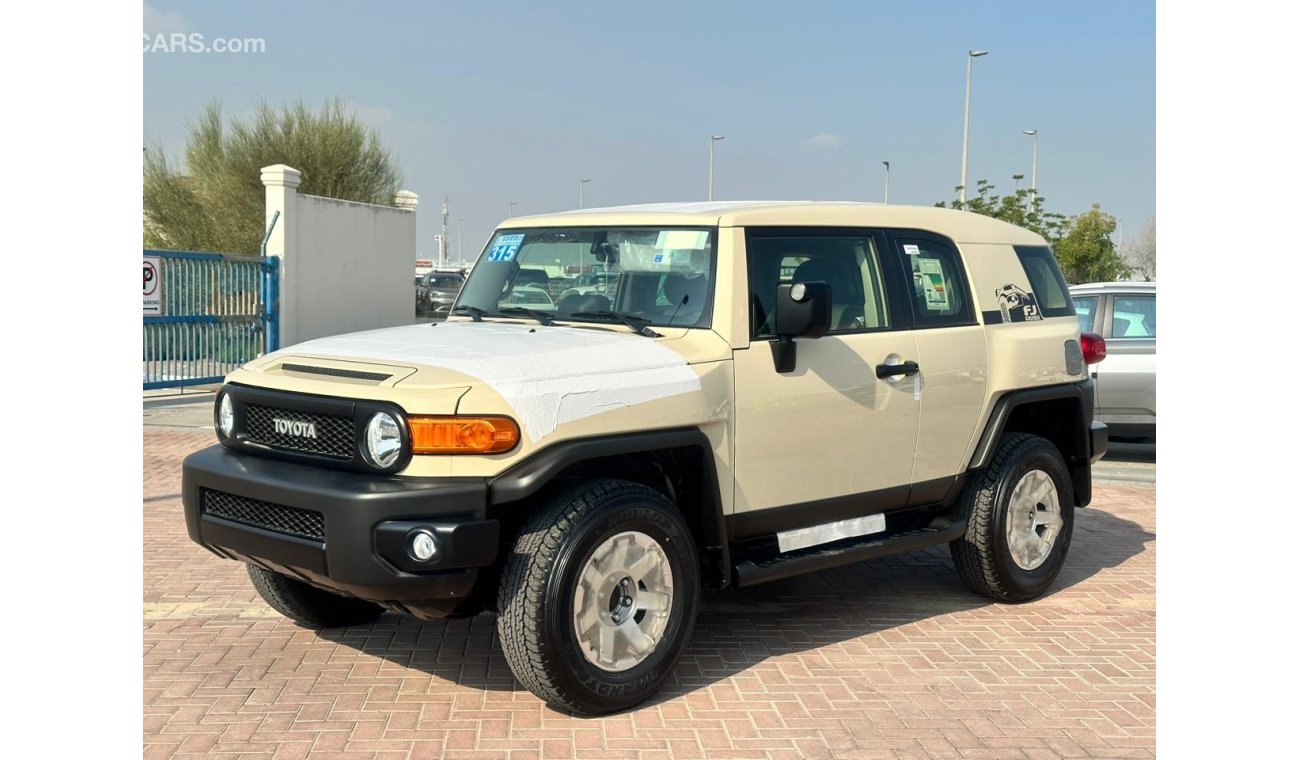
1124	314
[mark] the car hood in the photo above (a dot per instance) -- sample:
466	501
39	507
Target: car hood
548	375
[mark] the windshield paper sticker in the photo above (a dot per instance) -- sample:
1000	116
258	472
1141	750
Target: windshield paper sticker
936	288
677	259
911	250
689	240
506	248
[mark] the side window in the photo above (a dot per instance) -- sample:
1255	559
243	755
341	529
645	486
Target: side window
1133	317
849	264
1086	309
940	297
1045	279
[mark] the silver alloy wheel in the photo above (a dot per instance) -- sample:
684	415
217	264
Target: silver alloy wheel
1033	519
623	601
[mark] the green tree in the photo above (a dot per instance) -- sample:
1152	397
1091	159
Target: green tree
1082	244
1087	253
217	202
1022	208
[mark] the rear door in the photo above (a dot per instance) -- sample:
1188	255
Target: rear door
953	356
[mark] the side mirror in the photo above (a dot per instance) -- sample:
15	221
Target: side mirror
803	310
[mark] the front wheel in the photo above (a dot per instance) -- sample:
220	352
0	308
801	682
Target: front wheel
598	598
1020	517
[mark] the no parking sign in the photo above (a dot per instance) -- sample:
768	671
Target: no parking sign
152	285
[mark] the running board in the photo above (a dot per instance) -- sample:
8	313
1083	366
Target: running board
811	560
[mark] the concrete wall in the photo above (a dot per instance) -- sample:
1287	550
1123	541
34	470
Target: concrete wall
344	266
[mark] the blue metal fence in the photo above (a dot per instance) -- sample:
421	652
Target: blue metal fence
215	311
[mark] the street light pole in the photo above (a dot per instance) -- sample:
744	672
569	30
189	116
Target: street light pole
1033	174
459	230
886	163
971	55
581	183
511	211
712	139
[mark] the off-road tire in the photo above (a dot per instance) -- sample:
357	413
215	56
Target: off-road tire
983	556
536	598
309	606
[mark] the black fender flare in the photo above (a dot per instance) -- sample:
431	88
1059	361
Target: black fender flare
531	475
1078	461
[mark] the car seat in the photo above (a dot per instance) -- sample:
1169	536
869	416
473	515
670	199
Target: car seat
835	272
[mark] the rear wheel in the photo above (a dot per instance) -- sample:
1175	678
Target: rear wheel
598	597
309	606
1020	518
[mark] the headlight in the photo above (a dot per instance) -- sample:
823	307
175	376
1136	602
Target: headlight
225	415
383	440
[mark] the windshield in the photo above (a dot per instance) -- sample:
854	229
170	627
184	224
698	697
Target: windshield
659	275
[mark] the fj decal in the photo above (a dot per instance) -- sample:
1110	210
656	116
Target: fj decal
1017	305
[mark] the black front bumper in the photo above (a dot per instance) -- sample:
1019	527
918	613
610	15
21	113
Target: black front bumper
343	531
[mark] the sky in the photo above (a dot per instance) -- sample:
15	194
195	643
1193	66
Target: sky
494	102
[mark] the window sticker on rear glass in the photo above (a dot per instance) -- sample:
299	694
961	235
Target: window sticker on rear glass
934	285
1017	305
506	247
911	250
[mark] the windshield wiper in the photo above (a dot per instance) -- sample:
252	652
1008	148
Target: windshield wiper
546	319
639	325
474	312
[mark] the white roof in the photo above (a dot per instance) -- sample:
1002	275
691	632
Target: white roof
691	207
961	226
1114	286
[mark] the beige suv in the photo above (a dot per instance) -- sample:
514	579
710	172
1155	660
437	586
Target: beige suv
761	390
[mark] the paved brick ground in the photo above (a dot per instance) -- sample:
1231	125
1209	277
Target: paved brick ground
888	659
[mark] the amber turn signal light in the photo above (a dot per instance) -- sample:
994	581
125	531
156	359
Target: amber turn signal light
462	435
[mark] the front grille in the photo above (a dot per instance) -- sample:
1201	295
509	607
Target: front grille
262	514
335	436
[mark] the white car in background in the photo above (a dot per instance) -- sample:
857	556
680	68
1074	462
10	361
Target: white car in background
593	283
1124	314
528	297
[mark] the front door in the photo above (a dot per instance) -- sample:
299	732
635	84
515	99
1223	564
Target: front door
830	431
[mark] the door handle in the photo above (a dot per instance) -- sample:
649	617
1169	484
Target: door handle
890	370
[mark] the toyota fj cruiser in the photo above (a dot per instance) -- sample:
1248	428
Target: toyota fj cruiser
761	390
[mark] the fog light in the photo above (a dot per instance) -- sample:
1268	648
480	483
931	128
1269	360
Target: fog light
422	546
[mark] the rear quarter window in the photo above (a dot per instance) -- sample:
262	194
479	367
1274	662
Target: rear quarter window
1045	279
